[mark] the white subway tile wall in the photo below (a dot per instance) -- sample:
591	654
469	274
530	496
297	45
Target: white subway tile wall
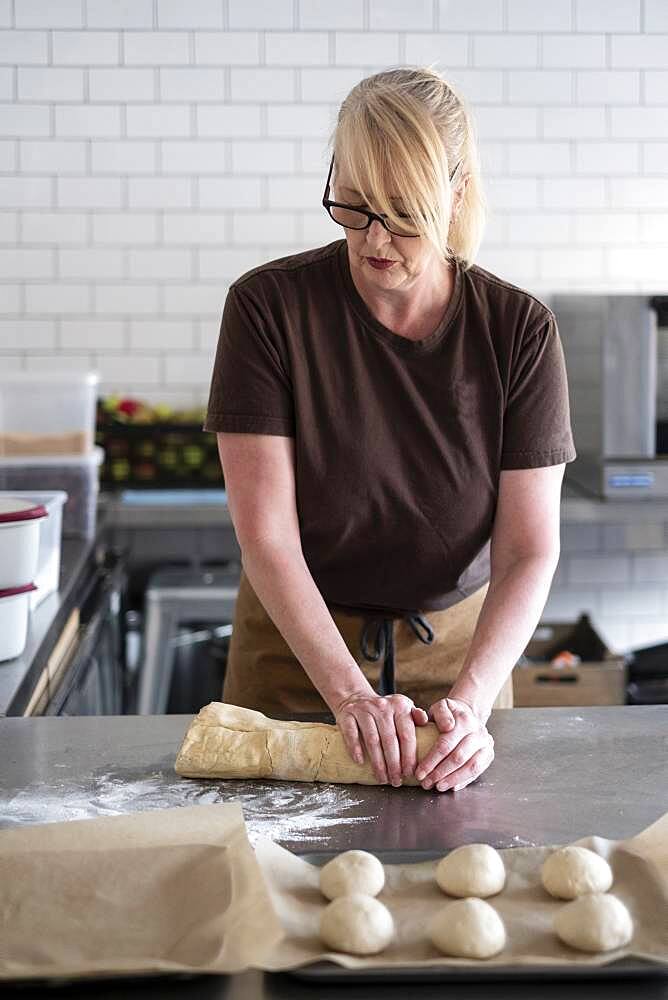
616	568
153	150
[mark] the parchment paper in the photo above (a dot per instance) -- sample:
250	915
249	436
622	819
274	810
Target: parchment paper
640	868
168	890
180	890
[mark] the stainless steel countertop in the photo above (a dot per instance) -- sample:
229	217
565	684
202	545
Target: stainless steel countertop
559	774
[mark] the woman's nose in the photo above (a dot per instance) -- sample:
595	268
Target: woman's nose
378	233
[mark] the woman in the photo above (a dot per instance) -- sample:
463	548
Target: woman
393	426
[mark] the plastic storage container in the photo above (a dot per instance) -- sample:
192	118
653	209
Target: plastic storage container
19	540
76	474
47	575
14	608
47	413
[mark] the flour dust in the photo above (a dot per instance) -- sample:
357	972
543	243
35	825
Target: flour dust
285	812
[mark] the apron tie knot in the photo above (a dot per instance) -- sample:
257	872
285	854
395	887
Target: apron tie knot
380	632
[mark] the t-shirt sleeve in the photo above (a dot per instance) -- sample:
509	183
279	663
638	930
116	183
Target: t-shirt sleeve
536	424
251	391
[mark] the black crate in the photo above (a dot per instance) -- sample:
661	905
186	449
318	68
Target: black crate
156	456
649	663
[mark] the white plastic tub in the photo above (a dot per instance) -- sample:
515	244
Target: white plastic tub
19	540
47	413
78	475
14	610
47	576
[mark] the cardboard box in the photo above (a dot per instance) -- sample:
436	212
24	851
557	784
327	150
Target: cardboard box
599	679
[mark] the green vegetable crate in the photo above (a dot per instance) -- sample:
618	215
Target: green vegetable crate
155	447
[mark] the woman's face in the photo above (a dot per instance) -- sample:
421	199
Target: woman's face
412	257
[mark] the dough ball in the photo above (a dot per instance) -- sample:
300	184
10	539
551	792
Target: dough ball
352	871
574	871
595	922
468	928
472	870
358	924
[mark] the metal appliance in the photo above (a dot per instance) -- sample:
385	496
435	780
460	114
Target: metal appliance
616	350
175	600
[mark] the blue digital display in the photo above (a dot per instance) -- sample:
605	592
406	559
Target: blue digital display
621	480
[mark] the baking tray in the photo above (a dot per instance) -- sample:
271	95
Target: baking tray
330	972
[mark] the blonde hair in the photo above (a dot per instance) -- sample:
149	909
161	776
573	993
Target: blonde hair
407	129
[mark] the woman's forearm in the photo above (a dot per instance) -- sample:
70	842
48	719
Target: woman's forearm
282	580
510	612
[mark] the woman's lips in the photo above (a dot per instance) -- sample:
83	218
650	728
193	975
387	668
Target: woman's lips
380	264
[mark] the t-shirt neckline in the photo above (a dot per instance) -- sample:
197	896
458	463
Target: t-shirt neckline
402	344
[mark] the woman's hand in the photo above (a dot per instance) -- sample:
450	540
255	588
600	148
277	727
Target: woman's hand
384	726
463	750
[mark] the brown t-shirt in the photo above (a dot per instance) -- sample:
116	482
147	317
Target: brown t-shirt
398	443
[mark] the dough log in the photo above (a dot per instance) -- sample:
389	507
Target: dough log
225	741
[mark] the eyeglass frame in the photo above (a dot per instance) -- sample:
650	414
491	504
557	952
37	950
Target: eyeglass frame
328	203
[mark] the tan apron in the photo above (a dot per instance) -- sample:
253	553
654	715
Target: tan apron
263	673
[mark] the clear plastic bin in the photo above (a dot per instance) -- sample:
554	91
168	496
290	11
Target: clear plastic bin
47	577
47	413
77	475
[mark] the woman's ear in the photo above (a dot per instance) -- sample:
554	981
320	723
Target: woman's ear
458	197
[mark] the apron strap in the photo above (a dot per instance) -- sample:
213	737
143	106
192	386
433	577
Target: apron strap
381	632
427	637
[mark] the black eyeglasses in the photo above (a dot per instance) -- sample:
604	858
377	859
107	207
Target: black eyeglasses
352	217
